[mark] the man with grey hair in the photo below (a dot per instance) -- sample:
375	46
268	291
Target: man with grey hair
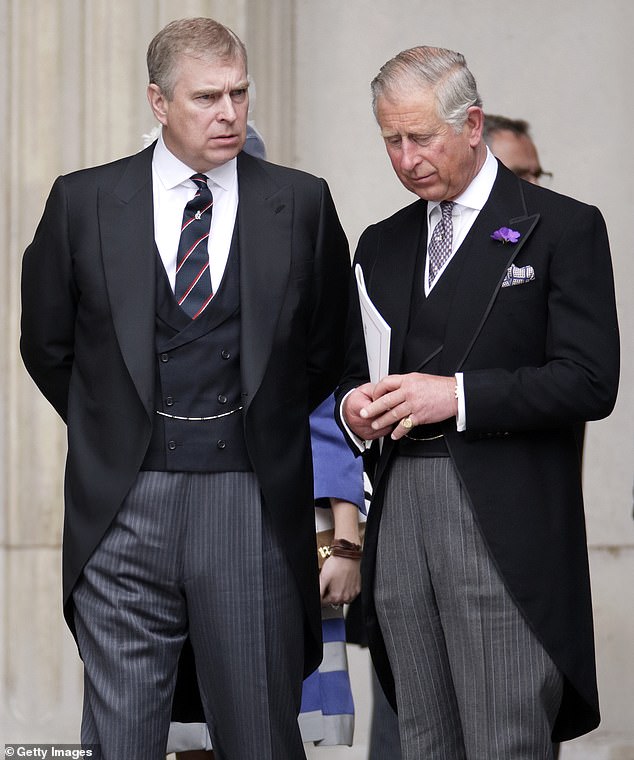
182	311
500	299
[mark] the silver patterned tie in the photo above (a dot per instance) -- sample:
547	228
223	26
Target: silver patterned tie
441	240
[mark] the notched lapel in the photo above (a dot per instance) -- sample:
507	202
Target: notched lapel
129	257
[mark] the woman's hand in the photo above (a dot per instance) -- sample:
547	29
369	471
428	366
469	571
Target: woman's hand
339	580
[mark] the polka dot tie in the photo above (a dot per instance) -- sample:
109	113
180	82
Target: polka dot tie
441	240
193	282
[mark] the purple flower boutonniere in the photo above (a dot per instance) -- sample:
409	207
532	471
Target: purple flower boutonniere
506	235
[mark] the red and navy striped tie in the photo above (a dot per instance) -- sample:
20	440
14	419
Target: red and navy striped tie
193	282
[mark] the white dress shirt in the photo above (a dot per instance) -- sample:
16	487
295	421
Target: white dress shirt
466	208
172	188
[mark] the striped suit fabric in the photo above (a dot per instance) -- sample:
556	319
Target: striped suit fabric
150	574
455	638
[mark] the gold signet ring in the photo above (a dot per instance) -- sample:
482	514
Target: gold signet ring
407	423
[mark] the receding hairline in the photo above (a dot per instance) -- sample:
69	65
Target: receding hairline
442	72
200	38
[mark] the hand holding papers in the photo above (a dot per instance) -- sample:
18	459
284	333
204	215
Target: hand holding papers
376	332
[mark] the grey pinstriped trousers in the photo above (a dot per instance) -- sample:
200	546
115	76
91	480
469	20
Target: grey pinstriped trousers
186	551
472	681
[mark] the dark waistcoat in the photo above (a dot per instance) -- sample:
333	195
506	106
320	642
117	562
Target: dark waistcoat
422	350
198	376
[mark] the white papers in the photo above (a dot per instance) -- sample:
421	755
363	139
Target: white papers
376	332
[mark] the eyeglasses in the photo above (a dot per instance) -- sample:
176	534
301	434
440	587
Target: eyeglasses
540	177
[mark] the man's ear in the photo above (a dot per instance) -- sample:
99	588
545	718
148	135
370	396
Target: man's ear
475	124
158	103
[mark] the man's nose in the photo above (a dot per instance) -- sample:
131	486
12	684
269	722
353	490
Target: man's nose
410	155
227	111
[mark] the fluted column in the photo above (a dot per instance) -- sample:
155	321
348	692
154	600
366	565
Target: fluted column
270	39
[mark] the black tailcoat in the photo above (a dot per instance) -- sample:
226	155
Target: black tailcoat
537	359
88	325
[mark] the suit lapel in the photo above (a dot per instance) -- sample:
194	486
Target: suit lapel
265	218
485	264
395	263
126	225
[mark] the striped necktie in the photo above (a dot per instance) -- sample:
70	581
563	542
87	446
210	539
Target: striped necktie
193	282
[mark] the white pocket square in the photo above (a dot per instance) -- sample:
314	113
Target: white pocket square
518	275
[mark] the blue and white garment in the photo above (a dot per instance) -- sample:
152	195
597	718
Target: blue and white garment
327	712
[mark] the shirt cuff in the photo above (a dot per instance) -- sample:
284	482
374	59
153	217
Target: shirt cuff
461	419
360	443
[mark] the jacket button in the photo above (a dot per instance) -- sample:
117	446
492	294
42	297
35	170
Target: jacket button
225	354
222	399
169	401
165	358
221	444
171	445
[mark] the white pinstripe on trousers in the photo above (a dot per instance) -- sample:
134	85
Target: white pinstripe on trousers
473	682
186	549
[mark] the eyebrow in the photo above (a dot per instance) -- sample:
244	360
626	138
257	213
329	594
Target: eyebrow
411	135
211	90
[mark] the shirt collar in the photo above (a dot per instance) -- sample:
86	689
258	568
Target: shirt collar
477	192
172	172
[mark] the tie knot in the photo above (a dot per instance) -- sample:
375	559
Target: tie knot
446	208
200	180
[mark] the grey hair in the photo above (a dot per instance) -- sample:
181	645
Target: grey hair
443	71
197	37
